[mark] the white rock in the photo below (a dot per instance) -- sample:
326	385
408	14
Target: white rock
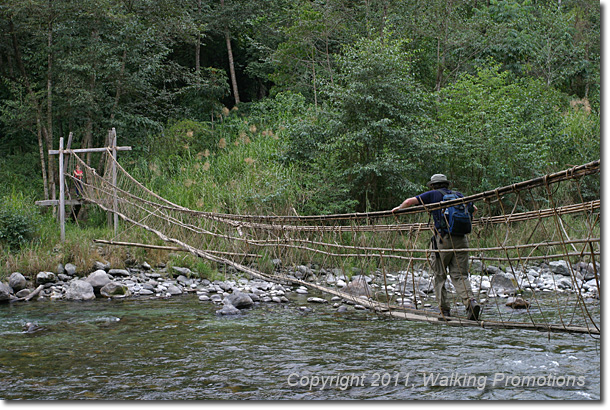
316	300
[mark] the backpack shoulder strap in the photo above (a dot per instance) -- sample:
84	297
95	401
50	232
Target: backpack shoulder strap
444	191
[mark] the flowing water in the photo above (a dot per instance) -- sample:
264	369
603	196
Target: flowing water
178	348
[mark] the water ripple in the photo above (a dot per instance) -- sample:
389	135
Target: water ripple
180	349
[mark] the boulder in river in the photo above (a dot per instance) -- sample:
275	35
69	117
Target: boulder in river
98	280
492	270
17	281
5	293
118	272
98	265
504	281
45	277
240	300
23	293
517	303
70	269
80	290
173	290
115	290
30	327
560	267
227	310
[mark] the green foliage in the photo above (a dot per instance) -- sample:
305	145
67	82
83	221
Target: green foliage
207	270
201	97
18	221
579	141
496	131
311	42
20	172
200	268
182	138
375	140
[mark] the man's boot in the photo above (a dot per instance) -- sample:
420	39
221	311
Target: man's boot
473	309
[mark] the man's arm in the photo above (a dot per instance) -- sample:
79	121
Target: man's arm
407	203
472	208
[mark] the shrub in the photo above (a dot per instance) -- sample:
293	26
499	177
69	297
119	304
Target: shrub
18	221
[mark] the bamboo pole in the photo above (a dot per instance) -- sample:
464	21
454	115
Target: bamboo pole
86	150
114	178
62	199
171	248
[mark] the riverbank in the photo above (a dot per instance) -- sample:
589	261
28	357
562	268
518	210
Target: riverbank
235	293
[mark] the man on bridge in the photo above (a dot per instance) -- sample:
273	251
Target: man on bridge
446	239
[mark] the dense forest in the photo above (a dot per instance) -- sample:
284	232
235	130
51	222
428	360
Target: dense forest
305	106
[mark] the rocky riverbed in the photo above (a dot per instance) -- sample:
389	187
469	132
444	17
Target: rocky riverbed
233	295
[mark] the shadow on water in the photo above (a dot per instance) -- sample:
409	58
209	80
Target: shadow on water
178	348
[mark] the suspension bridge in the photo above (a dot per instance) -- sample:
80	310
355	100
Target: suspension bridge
519	227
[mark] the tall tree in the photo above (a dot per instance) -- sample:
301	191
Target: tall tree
312	38
227	35
380	114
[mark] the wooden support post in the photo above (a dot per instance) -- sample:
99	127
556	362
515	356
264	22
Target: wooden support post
109	213
69	144
62	199
55	202
81	150
115	204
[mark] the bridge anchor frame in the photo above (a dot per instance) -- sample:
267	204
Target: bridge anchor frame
61	152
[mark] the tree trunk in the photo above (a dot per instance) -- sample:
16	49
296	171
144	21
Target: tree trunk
119	83
115	106
51	164
88	137
232	66
198	44
43	167
198	54
313	72
328	64
230	55
439	65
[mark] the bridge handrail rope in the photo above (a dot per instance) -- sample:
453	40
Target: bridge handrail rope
402	227
284	242
231	220
574	172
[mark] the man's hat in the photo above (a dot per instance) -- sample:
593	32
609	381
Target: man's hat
437	179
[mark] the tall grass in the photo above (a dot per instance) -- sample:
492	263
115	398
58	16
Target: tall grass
231	167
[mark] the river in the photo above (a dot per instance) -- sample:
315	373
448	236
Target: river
179	349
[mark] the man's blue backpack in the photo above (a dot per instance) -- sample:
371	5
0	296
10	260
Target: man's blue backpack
455	219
